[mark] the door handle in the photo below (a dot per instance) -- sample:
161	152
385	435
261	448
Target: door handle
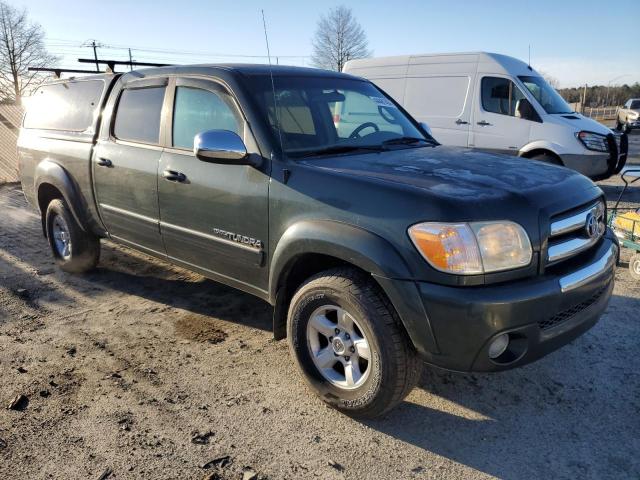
174	176
484	123
104	162
461	122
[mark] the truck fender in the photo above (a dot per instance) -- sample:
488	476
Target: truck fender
51	173
349	243
361	248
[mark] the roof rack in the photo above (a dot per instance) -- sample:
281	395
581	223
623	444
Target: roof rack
131	63
59	71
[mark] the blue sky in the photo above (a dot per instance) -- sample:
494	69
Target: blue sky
576	41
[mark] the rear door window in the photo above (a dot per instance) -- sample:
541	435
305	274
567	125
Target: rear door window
197	110
138	115
500	95
68	106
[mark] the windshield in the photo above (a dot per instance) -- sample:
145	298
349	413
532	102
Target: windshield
546	95
323	115
635	105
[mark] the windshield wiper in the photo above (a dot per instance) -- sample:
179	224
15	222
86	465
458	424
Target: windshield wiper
339	149
405	141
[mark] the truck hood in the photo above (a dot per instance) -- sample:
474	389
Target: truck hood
462	174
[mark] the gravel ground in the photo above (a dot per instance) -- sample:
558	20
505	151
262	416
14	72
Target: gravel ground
144	370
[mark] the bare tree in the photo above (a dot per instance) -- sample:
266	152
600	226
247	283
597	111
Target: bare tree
551	80
338	39
21	46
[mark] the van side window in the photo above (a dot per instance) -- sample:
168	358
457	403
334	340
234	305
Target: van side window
196	111
500	95
138	115
68	106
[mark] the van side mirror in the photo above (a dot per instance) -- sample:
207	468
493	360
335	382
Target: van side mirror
525	110
220	146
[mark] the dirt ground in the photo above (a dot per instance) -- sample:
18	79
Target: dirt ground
144	370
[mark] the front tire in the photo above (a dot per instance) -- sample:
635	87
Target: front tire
349	344
546	158
74	250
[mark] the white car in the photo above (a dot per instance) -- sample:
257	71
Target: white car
495	102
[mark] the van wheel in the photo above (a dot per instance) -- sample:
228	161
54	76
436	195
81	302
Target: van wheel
74	250
546	158
634	266
349	344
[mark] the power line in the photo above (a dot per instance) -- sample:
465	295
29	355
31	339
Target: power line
171	51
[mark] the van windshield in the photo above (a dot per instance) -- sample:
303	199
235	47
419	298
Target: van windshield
546	95
324	115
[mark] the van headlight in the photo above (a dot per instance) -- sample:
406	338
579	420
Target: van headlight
593	141
472	248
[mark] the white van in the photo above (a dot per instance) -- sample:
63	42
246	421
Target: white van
498	103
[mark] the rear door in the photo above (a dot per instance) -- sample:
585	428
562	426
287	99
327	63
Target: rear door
495	124
214	217
125	165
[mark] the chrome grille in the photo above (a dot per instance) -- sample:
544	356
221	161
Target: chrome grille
574	233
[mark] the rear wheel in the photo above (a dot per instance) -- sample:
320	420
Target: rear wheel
546	158
349	343
634	266
74	250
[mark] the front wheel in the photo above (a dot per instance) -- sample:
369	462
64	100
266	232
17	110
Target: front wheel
74	250
349	344
546	158
634	266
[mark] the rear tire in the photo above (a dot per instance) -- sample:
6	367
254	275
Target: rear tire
634	266
344	304
546	158
74	250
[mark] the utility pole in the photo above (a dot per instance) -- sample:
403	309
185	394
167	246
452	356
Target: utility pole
584	97
95	54
130	61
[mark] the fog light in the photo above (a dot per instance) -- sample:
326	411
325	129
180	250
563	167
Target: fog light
498	345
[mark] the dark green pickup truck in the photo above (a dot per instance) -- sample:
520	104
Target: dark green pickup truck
379	249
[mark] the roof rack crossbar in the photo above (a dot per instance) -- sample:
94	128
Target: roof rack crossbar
58	71
113	63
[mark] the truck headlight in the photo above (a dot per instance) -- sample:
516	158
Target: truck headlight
472	248
593	141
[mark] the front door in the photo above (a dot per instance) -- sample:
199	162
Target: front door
214	217
125	166
496	125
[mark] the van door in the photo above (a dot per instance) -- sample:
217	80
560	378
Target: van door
496	125
214	217
125	166
443	103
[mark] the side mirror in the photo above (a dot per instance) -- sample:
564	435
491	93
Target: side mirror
220	146
426	128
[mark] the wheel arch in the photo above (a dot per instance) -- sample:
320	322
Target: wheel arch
309	247
541	151
53	181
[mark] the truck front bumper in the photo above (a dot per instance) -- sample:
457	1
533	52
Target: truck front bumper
539	315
